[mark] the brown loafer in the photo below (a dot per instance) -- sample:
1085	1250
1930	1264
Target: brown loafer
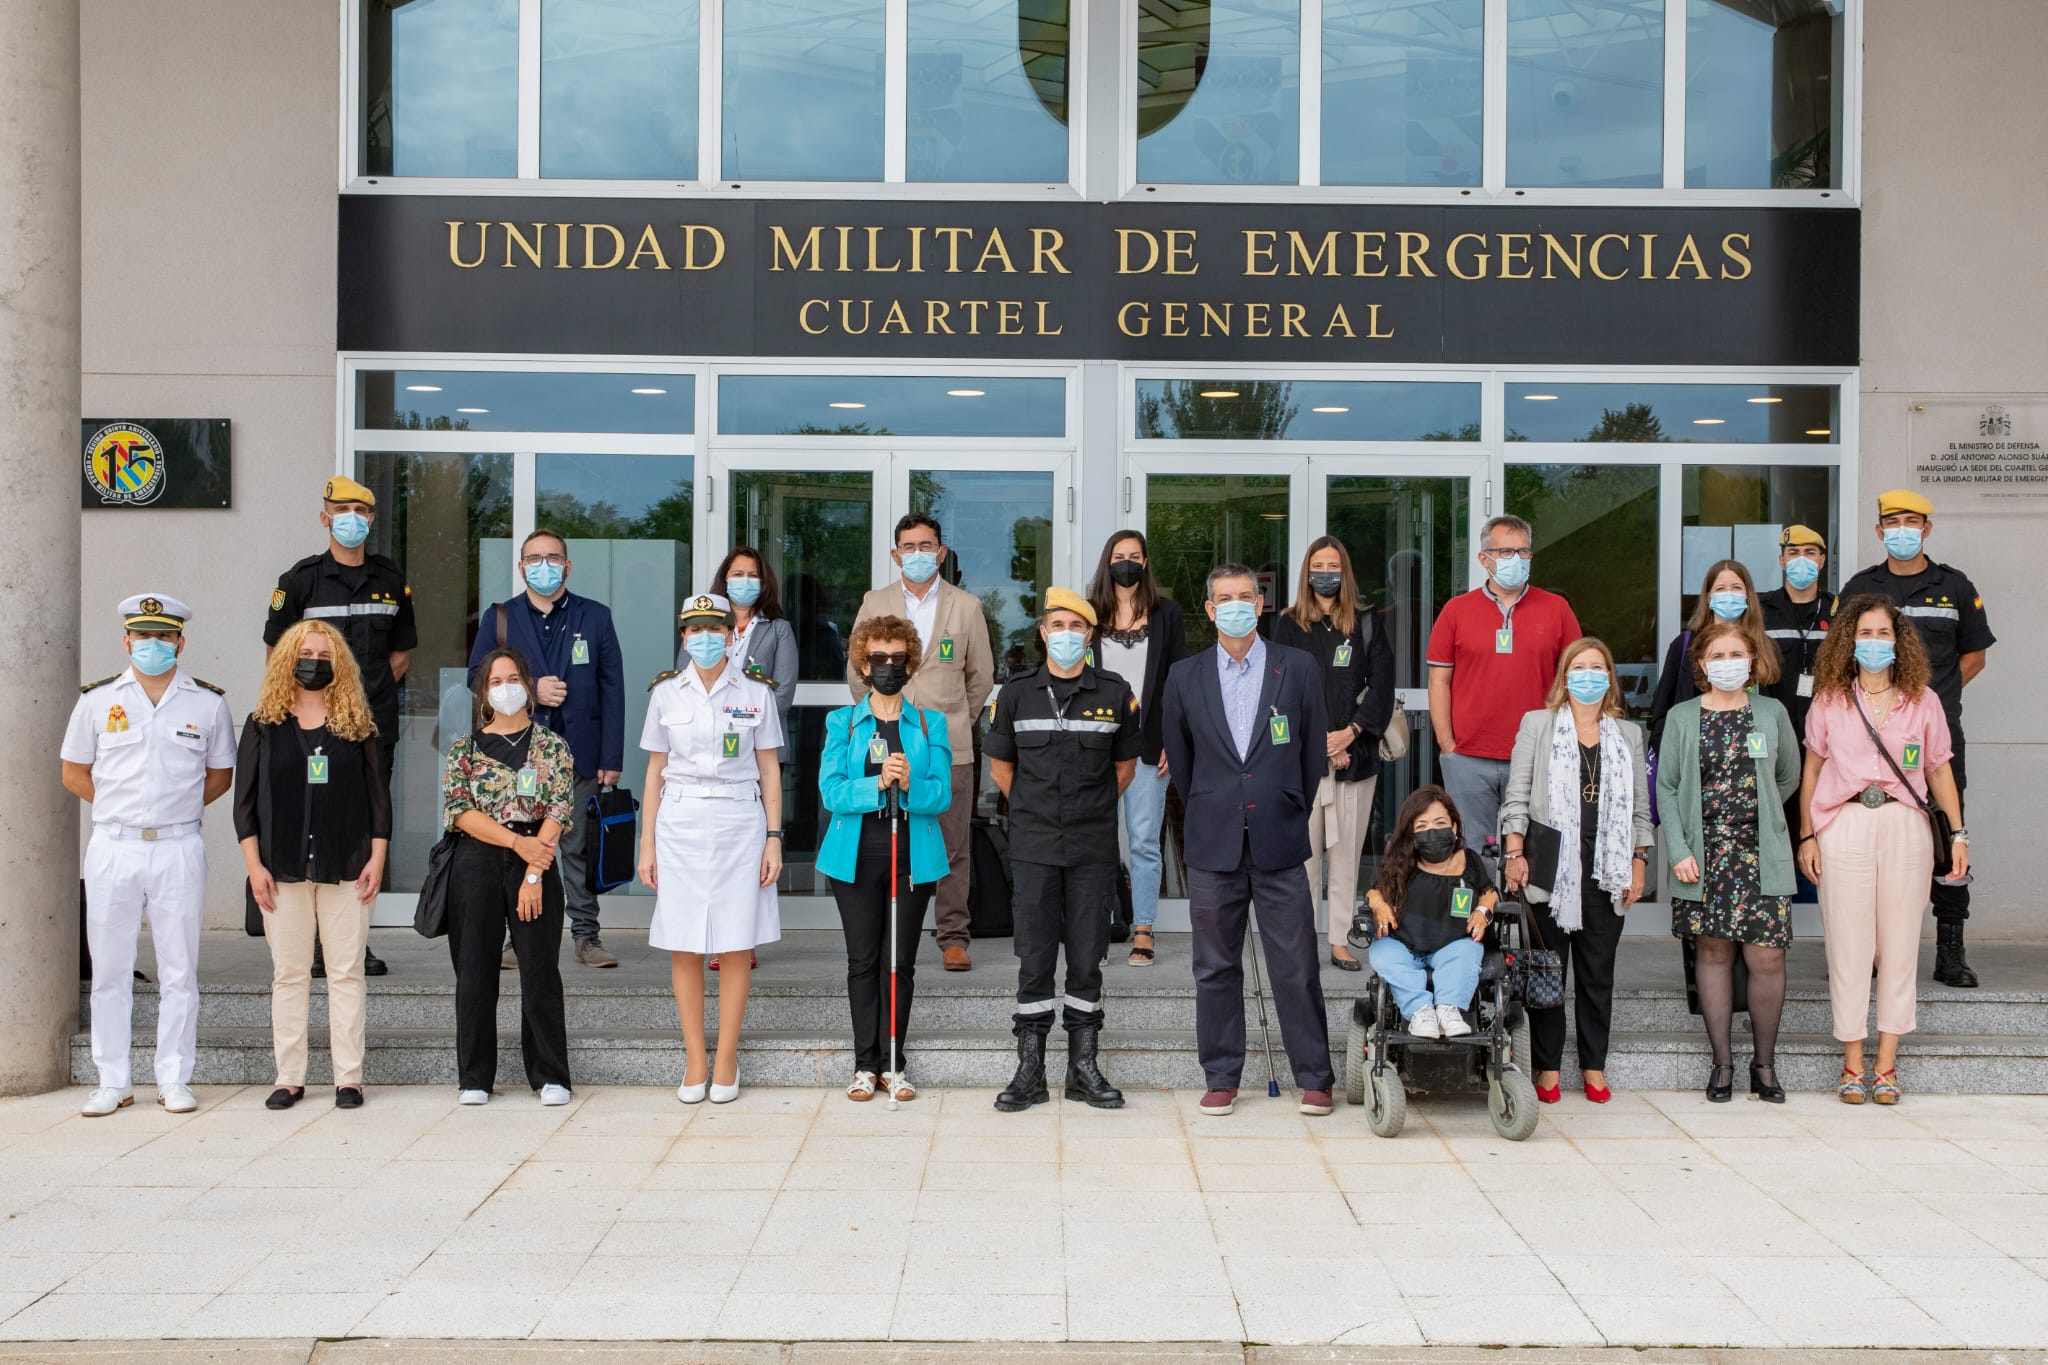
957	959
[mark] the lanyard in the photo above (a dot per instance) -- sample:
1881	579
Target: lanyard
1059	708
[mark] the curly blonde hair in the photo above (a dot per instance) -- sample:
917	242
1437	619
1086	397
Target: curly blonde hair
1834	667
348	711
885	628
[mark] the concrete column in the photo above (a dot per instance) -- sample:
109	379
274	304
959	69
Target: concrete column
39	487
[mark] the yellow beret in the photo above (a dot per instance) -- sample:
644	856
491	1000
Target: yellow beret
342	488
1802	535
1066	599
1903	500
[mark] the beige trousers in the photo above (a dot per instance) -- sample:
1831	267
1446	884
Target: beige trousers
1874	870
1337	826
342	923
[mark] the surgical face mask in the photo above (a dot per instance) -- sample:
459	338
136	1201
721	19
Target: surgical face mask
744	592
1729	606
350	529
888	679
1127	573
1436	845
1802	573
1728	675
152	657
706	648
1876	655
314	674
1237	619
1325	584
1065	647
1586	684
507	699
920	565
1902	542
544	577
1511	573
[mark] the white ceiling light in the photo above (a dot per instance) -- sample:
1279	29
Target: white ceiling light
1219	393
1763	400
848	405
1330	409
472	409
1709	421
650	391
422	388
1819	431
966	393
1539	398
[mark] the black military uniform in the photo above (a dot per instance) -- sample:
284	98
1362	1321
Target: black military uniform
1065	736
371	606
1947	611
1798	629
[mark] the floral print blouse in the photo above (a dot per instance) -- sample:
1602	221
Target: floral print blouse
475	781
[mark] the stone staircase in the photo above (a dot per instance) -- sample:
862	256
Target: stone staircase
622	1023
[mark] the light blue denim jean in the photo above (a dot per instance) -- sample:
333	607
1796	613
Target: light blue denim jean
1454	967
1144	811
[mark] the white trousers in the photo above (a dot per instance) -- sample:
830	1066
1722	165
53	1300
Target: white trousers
1337	826
126	879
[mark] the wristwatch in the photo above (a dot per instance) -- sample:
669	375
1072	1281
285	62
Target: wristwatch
533	879
775	834
1961	836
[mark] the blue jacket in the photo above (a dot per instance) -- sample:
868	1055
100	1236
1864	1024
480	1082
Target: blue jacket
850	794
593	718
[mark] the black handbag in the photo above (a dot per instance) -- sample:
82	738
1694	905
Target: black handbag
430	915
612	840
1120	913
1937	818
1542	974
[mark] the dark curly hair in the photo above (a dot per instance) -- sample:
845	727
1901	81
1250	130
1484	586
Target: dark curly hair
1834	668
885	628
1399	864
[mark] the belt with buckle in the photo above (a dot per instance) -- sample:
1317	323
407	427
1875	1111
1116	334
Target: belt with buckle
147	833
1874	796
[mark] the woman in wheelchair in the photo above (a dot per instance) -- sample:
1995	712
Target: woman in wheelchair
1430	909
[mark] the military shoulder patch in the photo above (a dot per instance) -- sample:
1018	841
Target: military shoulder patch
662	677
277	600
97	682
217	691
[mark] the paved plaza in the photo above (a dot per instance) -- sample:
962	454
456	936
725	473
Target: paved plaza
794	1215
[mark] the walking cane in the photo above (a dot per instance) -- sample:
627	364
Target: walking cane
895	823
1265	1030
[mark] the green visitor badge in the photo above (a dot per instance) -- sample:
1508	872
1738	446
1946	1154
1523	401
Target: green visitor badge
529	782
1278	726
1504	640
946	650
1757	748
579	653
316	767
878	750
1909	757
729	744
1344	655
1461	902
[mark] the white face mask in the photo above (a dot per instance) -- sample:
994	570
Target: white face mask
1727	675
507	698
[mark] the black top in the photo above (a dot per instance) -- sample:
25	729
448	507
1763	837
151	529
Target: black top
1589	812
874	831
1065	737
369	604
1430	916
1359	663
1944	607
1166	645
310	831
1798	629
506	749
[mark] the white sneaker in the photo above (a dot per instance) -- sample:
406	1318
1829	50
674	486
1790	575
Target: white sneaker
552	1096
473	1097
106	1100
1423	1024
1452	1020
176	1099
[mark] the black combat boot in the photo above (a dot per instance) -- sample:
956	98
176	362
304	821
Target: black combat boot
1950	969
1085	1080
1027	1087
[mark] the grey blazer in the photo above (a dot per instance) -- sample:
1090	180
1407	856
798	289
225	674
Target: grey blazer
771	644
1528	793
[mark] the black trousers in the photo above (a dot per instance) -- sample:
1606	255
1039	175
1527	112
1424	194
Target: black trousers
864	917
483	898
1060	907
1953	902
1219	906
1590	952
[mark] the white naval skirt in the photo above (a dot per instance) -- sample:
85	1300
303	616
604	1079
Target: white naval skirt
707	853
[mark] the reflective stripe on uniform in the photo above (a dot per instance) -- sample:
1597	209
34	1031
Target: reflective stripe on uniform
1944	613
1036	1006
1093	727
353	609
1084	1006
1784	633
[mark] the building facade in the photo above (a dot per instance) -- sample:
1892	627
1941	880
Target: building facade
672	276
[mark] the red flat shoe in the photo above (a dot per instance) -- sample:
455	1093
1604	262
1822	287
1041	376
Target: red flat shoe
1599	1095
1549	1094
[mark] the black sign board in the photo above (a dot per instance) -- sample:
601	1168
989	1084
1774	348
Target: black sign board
155	462
1161	282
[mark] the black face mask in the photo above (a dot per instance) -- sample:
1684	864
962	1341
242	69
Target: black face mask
888	679
1325	584
314	674
1436	845
1127	573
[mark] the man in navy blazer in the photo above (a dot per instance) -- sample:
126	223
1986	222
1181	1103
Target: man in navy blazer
580	684
1244	744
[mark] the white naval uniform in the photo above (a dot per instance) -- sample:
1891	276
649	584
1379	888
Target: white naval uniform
710	829
146	856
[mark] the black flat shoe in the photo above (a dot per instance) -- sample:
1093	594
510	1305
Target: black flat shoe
348	1097
1771	1093
1348	964
284	1097
1721	1084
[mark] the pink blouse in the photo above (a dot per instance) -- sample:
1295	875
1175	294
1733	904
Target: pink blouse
1916	733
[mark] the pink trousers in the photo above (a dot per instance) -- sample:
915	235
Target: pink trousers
1874	870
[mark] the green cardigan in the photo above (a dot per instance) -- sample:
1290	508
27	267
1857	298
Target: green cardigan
1678	794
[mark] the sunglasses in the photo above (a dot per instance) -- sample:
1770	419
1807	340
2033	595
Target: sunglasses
900	657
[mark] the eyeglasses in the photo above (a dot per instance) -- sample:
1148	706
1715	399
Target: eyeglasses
930	547
901	658
1512	552
528	561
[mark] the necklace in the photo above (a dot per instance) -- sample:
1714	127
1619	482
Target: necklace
1589	774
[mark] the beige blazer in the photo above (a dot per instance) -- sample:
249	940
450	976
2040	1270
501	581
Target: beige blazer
958	686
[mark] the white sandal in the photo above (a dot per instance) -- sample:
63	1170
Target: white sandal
898	1085
863	1087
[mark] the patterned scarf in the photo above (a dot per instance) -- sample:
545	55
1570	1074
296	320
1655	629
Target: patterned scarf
1612	857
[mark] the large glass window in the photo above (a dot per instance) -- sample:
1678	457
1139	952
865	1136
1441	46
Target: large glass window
1745	414
1596	544
440	90
1193	522
514	400
889	405
987	90
1763	93
1586	93
1739	512
1305	410
803	90
618	89
1219	92
1403	89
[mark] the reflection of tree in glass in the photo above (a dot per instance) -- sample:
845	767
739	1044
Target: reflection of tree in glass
1634	423
1262	411
1596	543
666	519
843	429
413	421
1468	432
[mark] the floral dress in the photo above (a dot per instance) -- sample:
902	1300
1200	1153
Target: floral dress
1732	902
